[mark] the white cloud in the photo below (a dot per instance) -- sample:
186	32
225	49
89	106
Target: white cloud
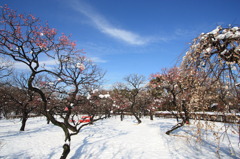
124	35
105	27
98	60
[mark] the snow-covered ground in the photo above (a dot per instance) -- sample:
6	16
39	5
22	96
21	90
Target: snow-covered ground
111	139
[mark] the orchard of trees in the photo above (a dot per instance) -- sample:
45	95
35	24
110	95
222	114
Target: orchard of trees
207	79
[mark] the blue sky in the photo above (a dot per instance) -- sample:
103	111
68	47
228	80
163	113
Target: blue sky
132	36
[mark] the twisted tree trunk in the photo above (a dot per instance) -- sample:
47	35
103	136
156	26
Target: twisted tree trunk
24	120
135	115
66	150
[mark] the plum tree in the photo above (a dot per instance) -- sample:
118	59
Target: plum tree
28	41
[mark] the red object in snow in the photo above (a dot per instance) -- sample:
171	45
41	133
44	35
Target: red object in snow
85	119
66	109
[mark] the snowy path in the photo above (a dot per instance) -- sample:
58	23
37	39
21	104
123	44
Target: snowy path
124	139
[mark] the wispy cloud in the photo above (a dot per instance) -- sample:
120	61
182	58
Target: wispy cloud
101	23
97	60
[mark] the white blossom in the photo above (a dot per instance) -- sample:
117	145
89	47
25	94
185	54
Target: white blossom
80	66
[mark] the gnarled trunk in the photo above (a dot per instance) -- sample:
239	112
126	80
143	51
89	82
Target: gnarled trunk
66	150
185	118
24	120
135	115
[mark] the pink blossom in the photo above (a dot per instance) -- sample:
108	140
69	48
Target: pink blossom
73	44
33	18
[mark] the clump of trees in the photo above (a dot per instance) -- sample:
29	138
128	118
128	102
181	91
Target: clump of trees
17	99
126	96
134	97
